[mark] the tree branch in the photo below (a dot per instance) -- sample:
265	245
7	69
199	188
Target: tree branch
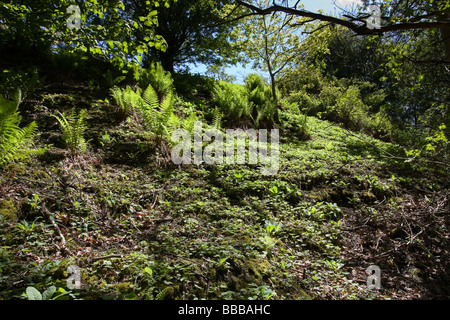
360	29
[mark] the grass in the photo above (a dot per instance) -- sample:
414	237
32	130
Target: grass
142	228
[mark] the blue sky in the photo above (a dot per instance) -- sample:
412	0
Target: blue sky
328	6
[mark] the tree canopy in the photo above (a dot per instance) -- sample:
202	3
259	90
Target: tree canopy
190	30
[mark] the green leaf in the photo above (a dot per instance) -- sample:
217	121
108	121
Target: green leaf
47	294
149	271
33	294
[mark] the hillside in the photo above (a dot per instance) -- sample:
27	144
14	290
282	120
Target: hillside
140	227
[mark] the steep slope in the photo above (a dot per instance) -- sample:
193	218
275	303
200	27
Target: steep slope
140	227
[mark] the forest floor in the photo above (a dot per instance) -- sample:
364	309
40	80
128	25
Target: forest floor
140	227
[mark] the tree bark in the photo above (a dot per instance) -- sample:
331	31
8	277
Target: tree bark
445	34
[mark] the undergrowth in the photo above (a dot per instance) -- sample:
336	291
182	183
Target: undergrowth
141	228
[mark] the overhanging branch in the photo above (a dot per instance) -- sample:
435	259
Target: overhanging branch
360	29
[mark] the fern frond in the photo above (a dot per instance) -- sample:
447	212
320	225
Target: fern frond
150	97
73	127
15	143
189	123
173	124
127	99
159	79
149	106
166	108
217	118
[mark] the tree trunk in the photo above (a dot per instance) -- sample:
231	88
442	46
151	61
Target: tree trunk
445	33
167	62
274	94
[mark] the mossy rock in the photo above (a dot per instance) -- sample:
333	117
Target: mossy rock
8	210
258	268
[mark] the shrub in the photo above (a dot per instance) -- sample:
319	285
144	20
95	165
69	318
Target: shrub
194	85
294	122
350	110
305	102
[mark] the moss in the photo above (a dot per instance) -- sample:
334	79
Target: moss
319	195
236	284
369	197
124	287
16	168
38	174
258	267
8	210
170	292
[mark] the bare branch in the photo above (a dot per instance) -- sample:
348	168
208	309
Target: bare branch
358	28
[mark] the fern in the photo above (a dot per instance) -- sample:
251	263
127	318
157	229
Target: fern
261	99
126	99
149	109
166	111
217	119
232	101
15	142
160	80
159	115
73	127
174	123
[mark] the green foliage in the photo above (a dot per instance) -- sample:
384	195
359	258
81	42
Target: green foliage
49	294
294	122
158	115
261	98
303	101
189	123
15	142
344	106
117	23
73	127
33	294
27	81
232	102
160	80
356	105
435	147
127	99
217	118
194	34
157	111
269	42
249	104
193	86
